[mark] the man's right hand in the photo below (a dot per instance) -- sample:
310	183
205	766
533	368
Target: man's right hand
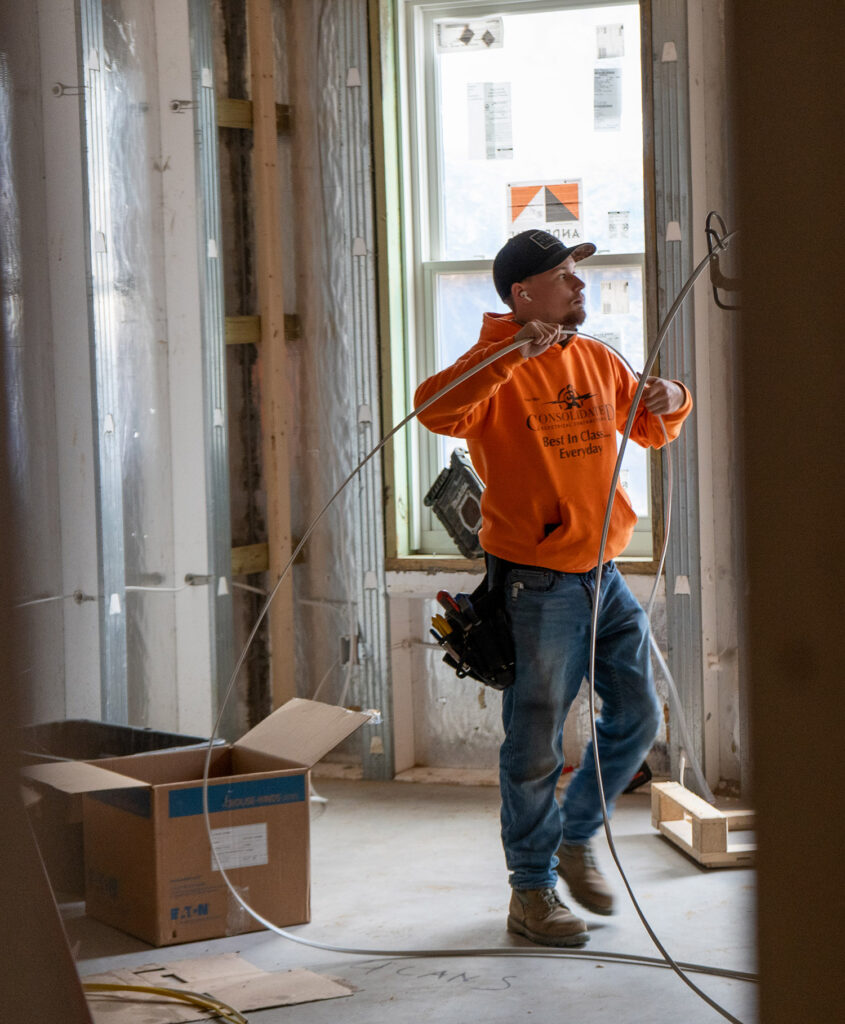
539	336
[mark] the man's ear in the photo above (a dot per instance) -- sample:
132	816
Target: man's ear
518	293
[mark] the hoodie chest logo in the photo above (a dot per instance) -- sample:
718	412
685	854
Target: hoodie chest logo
570	408
568	398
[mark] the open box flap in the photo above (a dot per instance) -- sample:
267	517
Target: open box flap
79	777
302	731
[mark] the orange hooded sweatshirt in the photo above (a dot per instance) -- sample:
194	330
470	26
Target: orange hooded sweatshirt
542	435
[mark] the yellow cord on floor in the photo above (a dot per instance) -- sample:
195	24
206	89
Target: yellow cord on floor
225	1012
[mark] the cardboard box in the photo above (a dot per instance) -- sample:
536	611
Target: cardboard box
149	868
56	817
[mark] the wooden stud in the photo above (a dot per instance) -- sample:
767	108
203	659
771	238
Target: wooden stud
250	558
234	113
246	330
293	328
243	330
239	114
274	393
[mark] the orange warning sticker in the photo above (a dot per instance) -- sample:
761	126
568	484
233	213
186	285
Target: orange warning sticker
552	205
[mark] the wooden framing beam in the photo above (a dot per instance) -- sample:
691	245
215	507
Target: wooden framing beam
699	829
250	558
273	375
246	330
239	114
243	330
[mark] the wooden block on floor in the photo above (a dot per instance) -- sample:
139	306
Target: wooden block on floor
698	828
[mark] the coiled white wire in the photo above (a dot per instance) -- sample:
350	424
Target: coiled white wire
666	962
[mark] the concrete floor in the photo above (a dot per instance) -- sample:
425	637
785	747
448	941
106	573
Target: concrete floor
400	865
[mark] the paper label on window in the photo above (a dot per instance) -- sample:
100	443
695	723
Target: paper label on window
613	338
243	846
490	127
454	36
614	298
610	41
618	224
553	206
607	99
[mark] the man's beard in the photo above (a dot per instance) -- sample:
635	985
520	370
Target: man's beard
575	318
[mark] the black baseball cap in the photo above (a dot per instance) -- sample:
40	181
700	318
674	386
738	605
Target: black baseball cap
529	253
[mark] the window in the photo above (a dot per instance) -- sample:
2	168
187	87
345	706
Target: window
522	116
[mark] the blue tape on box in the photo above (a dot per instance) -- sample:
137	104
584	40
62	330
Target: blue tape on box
236	796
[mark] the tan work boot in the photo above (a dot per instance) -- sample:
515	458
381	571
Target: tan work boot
577	867
539	915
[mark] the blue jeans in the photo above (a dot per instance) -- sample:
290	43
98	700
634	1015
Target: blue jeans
550	614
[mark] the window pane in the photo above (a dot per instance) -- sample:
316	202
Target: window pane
615	314
462	299
614	302
558	102
613	298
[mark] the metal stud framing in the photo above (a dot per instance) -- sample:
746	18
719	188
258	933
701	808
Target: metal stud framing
368	513
114	698
673	188
214	357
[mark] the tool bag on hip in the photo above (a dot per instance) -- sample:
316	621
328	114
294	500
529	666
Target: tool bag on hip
475	634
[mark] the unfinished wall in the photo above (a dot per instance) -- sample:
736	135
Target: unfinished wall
30	432
446	722
716	401
331	396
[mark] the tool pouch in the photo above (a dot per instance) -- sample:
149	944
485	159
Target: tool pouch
475	634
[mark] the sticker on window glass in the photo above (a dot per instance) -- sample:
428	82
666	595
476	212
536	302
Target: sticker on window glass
618	225
614	298
554	206
490	127
610	41
607	99
452	36
613	338
243	846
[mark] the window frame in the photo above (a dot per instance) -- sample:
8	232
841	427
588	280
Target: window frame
421	235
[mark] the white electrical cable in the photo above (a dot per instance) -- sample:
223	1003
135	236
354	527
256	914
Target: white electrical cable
681	720
666	961
649	363
42	600
158	590
250	588
322	682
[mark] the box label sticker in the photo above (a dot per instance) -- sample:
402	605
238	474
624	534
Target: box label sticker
243	846
238	796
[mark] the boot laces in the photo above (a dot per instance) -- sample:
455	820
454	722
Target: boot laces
551	899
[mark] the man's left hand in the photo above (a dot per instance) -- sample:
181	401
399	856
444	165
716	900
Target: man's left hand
663	396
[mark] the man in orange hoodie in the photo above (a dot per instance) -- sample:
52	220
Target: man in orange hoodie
541	424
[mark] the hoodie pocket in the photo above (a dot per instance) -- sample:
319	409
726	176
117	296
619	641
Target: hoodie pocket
576	541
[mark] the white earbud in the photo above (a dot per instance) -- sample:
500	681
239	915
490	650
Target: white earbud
525	295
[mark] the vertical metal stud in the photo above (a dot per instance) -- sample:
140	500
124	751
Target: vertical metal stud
114	700
673	190
214	358
374	681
